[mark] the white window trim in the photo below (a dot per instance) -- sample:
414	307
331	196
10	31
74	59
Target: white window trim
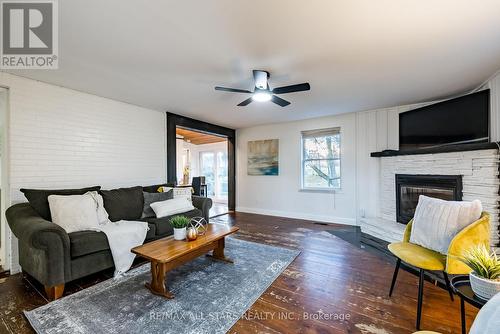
303	136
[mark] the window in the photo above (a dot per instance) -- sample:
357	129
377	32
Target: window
321	159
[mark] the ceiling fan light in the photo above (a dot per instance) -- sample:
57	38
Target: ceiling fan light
262	96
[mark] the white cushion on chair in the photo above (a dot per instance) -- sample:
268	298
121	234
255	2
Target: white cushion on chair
437	222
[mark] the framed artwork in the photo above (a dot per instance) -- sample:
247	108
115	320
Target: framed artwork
263	157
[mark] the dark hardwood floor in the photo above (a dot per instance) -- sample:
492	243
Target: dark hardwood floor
333	286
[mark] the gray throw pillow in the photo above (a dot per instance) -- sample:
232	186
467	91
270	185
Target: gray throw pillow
123	203
149	198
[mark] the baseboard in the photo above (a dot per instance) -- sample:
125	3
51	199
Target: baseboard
15	269
299	215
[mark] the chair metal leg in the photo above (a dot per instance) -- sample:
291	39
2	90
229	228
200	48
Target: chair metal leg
420	297
448	286
394	276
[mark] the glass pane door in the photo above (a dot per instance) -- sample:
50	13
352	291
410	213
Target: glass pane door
221	181
208	170
214	168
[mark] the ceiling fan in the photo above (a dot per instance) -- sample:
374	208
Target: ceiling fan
262	92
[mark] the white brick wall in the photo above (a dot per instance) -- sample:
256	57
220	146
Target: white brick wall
480	179
60	138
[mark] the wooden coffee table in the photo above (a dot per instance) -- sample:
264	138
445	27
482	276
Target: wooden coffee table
166	254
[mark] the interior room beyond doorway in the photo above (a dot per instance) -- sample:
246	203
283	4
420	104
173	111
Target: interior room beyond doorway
202	163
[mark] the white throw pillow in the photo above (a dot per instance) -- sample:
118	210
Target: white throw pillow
171	207
437	222
75	212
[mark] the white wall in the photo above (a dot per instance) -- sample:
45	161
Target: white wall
4	237
280	195
362	133
61	138
378	130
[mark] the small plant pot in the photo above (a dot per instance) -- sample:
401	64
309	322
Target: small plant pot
180	233
482	287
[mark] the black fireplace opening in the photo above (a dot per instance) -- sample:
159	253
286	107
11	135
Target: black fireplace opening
410	187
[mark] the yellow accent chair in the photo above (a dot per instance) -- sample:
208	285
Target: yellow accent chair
425	259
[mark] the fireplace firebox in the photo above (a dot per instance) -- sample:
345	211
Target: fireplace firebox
410	187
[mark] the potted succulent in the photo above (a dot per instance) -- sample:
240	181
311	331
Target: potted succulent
485	275
179	224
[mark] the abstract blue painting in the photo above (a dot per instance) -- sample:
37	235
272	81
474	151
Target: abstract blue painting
263	157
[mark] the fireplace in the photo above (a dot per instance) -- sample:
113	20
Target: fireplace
410	187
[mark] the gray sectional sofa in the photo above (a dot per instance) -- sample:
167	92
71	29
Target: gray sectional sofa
54	257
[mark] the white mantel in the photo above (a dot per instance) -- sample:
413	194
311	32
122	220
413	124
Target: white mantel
479	170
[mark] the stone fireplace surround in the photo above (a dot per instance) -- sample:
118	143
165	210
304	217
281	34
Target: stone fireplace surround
480	178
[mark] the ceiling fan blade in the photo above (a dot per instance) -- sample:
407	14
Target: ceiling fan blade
233	90
279	101
292	88
246	102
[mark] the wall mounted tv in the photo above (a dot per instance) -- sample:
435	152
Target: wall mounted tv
457	121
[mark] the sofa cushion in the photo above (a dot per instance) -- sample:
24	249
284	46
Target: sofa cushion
150	198
123	203
87	242
92	263
163	227
38	198
151	232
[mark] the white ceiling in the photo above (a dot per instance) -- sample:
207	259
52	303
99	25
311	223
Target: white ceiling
357	55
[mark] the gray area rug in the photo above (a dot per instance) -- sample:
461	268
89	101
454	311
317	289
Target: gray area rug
210	296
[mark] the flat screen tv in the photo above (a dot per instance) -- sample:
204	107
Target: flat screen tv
457	121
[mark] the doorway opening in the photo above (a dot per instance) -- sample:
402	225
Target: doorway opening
217	164
202	163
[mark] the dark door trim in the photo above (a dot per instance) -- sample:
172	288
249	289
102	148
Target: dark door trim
173	121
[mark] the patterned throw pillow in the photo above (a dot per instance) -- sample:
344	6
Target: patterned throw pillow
178	192
183	193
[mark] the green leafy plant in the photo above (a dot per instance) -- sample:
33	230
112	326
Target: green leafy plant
483	262
179	221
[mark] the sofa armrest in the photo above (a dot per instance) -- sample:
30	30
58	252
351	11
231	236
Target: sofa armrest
477	233
44	247
203	204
